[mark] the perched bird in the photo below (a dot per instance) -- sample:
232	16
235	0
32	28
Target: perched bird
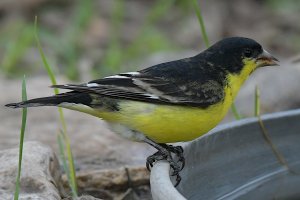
169	102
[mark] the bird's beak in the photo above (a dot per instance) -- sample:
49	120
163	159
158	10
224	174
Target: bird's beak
266	59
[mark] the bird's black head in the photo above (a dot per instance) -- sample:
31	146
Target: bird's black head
235	53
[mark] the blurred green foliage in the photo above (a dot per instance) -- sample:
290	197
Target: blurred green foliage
68	46
64	49
148	40
16	40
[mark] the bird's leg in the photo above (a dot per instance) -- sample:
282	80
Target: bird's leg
161	154
164	153
178	151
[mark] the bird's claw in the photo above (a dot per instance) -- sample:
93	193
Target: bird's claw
153	158
176	166
178	151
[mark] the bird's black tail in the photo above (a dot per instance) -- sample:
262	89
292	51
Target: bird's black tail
56	100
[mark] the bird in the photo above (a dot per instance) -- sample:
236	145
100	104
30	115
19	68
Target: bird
171	102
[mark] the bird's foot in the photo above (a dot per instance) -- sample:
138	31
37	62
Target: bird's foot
178	151
165	154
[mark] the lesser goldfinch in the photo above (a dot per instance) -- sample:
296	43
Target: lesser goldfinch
169	102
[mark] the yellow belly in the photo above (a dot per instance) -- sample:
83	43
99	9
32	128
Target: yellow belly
167	124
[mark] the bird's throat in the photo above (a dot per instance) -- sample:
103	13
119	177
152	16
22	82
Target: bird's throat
235	81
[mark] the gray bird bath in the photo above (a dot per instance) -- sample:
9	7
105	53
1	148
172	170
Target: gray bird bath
234	161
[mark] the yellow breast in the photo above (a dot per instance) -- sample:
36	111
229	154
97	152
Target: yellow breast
167	123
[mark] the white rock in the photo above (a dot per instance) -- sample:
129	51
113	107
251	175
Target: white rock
86	197
40	173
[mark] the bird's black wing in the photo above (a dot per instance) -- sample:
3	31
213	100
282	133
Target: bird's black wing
182	82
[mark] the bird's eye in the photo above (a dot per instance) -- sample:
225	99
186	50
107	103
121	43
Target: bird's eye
247	53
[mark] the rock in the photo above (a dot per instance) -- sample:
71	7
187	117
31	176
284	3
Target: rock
86	197
122	183
40	175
